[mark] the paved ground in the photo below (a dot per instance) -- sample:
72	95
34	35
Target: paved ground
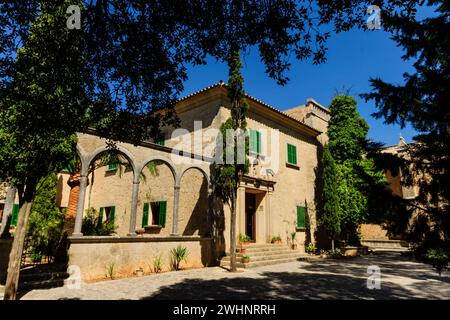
321	279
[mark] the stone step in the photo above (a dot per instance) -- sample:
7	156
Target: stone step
27	277
254	264
264	248
44	284
273	256
265	252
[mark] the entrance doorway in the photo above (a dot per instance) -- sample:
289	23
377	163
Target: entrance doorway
250	215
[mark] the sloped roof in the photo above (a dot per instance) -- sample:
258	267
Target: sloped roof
260	102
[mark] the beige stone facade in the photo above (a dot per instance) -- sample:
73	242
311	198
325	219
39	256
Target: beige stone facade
268	198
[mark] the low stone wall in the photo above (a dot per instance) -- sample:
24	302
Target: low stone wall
5	248
93	255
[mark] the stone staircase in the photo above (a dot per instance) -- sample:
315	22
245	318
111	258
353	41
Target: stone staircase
264	255
386	245
42	277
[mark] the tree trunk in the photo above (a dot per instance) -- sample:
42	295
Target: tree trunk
233	267
332	245
12	280
7	210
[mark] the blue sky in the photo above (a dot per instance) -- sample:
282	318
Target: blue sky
353	57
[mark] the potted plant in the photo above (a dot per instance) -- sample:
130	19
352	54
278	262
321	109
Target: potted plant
310	249
323	253
245	259
293	244
140	272
243	239
276	240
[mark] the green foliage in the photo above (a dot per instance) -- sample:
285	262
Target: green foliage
91	226
111	270
42	107
347	130
276	239
421	101
245	258
352	183
179	254
46	220
293	235
157	264
331	218
243	238
310	248
439	258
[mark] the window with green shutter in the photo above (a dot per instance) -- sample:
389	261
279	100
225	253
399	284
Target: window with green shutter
145	214
292	154
14	214
255	141
159	213
113	166
161	141
107	214
162	213
100	216
112	214
301	217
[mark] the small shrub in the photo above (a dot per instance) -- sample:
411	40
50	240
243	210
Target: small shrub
157	264
310	248
438	258
243	238
36	256
92	227
179	254
276	239
336	253
111	270
245	259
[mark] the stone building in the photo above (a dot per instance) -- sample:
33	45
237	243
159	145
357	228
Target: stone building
170	202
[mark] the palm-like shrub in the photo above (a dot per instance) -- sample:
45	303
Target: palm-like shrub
179	254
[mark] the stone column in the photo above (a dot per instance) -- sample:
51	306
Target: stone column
80	208
240	212
176	198
134	203
268	222
210	217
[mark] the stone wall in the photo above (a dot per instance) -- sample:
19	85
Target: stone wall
373	232
93	255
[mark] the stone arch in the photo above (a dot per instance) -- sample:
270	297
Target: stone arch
124	151
202	170
194	201
168	162
155	190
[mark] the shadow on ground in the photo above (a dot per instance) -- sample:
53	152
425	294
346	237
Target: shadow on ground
324	279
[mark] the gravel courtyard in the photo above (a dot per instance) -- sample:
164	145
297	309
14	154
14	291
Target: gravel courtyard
322	279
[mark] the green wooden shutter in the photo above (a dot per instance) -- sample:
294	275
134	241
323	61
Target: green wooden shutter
162	213
292	154
145	214
112	215
100	217
255	141
301	217
161	141
113	166
252	143
258	142
14	214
